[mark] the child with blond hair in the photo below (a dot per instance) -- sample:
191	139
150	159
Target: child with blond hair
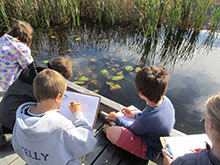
41	135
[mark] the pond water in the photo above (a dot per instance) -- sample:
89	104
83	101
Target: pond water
105	60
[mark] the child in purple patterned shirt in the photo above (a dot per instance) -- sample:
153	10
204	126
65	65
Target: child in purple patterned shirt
15	53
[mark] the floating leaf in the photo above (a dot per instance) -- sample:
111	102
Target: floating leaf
106	40
115	78
116	86
53	37
96	90
120	73
129	68
78	39
107	63
137	69
123	60
92	59
83	78
114	69
109	83
94	82
70	50
132	46
110	54
104	71
46	61
78	82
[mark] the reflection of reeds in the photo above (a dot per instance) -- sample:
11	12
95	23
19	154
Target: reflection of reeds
145	15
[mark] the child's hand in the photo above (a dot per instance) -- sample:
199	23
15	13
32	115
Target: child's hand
74	107
128	113
111	116
166	159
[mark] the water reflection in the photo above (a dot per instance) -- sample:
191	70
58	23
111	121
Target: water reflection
94	48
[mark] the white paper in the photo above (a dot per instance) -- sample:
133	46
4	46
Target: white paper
181	145
89	105
127	119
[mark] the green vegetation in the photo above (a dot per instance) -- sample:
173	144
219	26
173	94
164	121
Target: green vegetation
142	15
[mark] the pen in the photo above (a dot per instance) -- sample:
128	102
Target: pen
72	104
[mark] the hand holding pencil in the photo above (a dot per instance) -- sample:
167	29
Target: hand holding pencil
74	107
128	113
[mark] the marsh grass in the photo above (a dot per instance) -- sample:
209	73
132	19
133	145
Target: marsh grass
141	15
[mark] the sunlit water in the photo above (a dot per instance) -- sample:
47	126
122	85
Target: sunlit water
194	71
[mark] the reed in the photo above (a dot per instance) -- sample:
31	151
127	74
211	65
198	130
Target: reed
145	15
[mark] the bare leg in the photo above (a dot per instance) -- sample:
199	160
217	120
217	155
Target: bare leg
113	133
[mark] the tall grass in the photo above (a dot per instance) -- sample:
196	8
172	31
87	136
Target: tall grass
145	15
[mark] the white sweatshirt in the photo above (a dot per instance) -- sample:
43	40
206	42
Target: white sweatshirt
52	139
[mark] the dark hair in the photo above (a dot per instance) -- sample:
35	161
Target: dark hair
22	31
152	82
62	65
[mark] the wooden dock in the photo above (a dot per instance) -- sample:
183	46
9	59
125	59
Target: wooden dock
104	151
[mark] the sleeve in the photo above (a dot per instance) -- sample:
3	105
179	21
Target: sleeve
24	58
79	137
137	127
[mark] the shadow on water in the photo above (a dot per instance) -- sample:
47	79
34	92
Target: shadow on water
105	60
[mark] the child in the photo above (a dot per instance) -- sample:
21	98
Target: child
21	91
156	120
211	155
41	135
15	53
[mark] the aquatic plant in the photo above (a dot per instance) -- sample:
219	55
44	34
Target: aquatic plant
140	15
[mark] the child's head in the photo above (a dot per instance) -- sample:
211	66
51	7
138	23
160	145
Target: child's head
48	84
62	65
22	31
152	82
213	112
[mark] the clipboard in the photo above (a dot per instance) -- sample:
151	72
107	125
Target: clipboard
89	103
180	145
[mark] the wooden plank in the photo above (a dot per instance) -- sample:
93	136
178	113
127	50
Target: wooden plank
131	159
110	156
8	156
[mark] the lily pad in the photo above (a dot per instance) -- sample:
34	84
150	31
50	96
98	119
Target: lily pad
79	82
83	78
104	71
130	68
116	86
45	61
116	78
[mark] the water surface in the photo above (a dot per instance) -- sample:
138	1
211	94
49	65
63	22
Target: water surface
100	53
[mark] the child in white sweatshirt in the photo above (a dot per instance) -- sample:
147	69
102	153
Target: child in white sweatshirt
41	135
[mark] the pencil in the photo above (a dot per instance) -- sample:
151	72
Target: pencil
72	104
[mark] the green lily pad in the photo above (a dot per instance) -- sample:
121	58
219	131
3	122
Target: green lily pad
116	86
115	78
46	61
130	68
110	83
104	71
83	78
120	73
78	82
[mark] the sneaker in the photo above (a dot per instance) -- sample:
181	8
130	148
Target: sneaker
5	139
105	127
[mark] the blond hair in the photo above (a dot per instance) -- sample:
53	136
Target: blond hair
213	111
48	84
